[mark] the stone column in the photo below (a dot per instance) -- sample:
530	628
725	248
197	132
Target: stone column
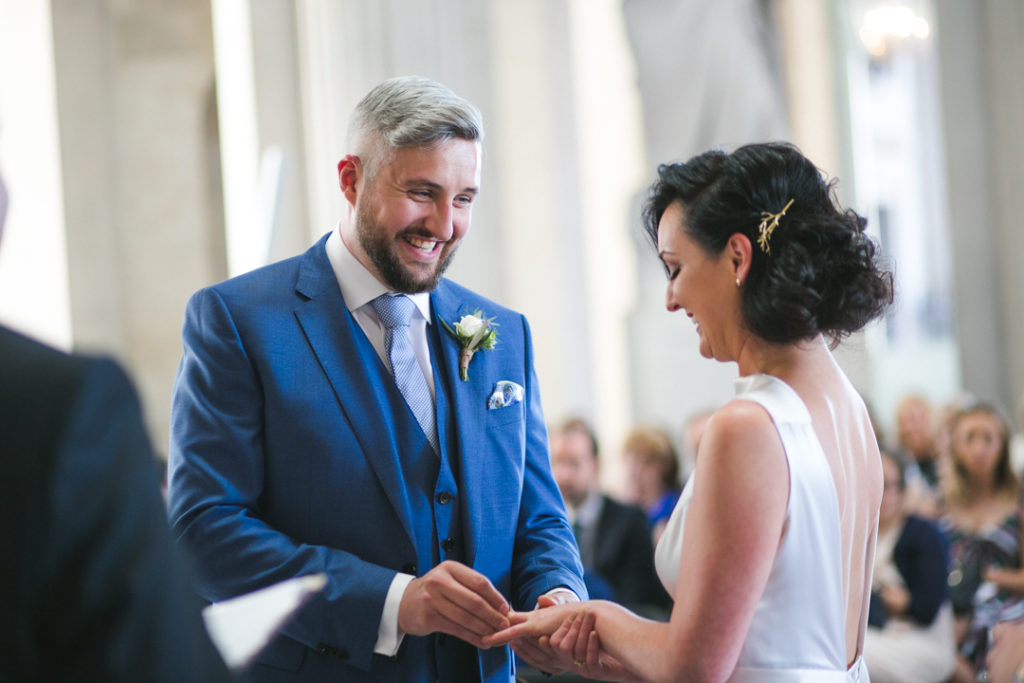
982	61
139	149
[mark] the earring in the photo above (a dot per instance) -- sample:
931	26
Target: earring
738	283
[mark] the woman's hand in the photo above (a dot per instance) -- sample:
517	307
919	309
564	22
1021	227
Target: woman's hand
577	639
529	634
532	625
1007	579
561	638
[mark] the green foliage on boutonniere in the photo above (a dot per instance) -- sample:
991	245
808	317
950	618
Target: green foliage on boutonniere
474	333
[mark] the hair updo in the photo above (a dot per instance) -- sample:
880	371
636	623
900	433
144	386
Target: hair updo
821	275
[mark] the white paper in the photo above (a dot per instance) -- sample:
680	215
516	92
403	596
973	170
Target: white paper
242	626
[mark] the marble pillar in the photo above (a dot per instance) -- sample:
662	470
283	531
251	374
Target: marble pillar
140	160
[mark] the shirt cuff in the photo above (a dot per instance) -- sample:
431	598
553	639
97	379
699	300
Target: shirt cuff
563	595
389	638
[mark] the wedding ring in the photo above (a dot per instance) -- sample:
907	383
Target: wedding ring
578	663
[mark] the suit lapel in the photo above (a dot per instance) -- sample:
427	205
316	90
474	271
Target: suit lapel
444	357
353	369
463	421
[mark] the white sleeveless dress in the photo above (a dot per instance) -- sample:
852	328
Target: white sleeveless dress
797	634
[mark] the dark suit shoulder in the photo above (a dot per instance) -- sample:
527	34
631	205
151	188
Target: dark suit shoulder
32	365
38	387
49	398
43	389
626	512
624	527
625	555
40	384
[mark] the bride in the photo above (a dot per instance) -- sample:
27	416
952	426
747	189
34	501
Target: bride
769	551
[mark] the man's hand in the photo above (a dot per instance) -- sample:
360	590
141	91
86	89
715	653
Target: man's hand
454	599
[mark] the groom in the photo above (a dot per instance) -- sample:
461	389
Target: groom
320	424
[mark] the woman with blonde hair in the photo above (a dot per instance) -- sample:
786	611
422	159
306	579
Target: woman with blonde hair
652	469
982	519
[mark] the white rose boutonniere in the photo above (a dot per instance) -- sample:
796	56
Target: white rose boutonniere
474	333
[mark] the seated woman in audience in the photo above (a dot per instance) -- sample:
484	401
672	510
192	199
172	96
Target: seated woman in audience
917	441
653	470
983	523
910	635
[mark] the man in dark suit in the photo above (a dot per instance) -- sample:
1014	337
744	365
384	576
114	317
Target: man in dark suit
328	417
614	538
91	587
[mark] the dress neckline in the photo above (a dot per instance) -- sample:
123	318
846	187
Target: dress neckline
788	399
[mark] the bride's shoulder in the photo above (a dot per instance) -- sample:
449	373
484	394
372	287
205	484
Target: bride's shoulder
739	419
740	433
742	465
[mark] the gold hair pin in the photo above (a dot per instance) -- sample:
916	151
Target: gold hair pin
770	221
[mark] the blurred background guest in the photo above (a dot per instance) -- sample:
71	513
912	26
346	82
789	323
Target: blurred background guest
614	538
1005	661
91	586
652	467
916	443
910	625
982	520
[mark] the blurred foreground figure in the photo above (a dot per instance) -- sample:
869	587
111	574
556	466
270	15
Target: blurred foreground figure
91	588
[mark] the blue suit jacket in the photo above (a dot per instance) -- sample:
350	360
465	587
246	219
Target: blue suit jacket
286	435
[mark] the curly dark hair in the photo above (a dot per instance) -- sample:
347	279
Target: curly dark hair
822	274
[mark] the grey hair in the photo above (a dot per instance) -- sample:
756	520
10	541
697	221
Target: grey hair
410	111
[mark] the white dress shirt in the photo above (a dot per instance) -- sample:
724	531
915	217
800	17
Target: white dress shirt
360	288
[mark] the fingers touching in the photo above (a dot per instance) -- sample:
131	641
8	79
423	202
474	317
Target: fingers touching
454	599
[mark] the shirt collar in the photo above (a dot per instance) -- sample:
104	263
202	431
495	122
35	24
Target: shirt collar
358	285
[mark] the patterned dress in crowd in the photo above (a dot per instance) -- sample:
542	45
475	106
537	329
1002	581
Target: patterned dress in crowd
971	553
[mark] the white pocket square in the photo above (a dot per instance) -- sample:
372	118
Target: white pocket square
505	394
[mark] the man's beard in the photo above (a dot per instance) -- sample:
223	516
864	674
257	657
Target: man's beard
381	251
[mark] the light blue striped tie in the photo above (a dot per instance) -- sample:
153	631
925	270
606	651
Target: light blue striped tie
395	312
